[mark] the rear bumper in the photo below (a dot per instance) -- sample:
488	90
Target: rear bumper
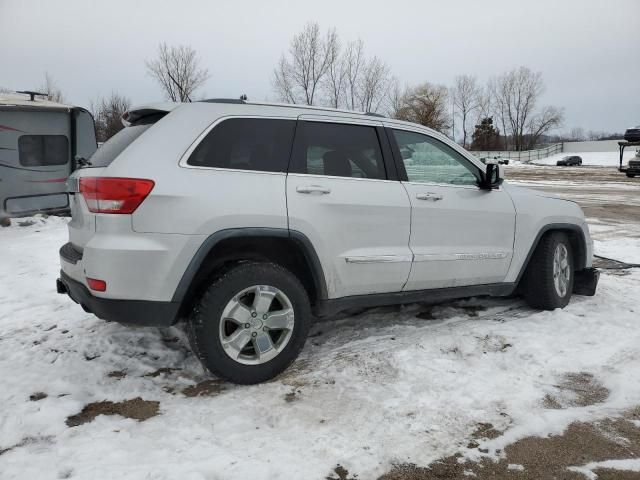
586	282
131	312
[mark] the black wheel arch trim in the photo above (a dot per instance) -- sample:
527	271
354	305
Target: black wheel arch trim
582	252
307	248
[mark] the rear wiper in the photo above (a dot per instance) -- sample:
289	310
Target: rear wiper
82	162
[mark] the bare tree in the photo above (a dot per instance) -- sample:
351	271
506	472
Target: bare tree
283	81
297	79
395	98
51	90
485	104
466	98
336	79
375	83
107	114
354	59
577	134
515	95
427	105
548	119
177	71
498	106
594	135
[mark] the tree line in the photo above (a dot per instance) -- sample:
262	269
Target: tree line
504	113
318	69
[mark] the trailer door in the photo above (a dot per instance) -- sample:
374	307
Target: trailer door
84	135
35	161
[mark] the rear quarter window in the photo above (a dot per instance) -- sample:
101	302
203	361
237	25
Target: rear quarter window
258	144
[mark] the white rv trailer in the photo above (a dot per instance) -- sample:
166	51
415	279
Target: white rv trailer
40	144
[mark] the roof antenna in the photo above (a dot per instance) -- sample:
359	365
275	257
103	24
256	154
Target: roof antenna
32	94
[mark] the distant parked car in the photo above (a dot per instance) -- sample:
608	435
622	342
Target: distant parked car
632	134
569	161
633	168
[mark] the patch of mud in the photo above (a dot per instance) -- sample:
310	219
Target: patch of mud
610	264
542	458
609	204
426	314
162	371
35	397
117	374
341	473
298	368
440	311
485	430
136	408
208	388
576	390
473	310
292	396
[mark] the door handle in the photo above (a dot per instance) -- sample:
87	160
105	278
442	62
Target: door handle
434	197
313	189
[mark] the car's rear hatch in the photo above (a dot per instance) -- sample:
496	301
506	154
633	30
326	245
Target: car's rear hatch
137	121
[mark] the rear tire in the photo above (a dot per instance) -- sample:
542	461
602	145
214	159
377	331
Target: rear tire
251	323
631	175
548	281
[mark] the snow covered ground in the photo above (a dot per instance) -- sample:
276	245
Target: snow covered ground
603	159
390	385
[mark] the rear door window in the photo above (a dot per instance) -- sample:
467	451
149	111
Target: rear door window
338	150
43	150
258	144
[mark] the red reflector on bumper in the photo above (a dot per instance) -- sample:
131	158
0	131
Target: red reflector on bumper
97	285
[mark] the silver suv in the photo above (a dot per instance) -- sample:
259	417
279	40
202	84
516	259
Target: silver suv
248	219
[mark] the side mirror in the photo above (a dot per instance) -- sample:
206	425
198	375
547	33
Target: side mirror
493	175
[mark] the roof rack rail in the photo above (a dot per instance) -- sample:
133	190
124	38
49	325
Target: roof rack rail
224	100
243	101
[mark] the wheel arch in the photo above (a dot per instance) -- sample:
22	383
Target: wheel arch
576	237
290	249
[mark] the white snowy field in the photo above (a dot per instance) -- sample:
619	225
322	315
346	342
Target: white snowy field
391	385
602	159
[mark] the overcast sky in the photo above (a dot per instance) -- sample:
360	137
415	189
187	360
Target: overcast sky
587	50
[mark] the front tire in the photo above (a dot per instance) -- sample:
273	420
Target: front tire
548	282
631	175
251	323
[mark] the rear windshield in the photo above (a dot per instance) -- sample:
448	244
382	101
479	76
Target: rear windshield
115	145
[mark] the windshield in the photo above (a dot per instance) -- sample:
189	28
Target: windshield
116	145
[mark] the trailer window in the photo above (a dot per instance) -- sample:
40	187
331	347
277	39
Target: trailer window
43	150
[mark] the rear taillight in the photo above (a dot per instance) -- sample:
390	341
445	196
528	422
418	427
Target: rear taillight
114	195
